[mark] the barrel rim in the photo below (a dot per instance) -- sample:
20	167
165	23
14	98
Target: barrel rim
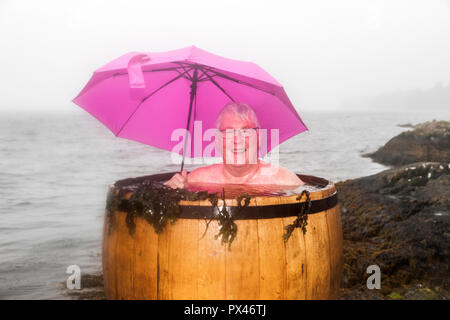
289	205
319	182
327	188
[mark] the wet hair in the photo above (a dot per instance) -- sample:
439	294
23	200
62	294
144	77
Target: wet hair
242	110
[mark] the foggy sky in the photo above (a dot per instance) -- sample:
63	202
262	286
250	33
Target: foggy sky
325	53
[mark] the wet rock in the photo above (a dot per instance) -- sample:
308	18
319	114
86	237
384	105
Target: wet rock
419	292
91	288
405	125
360	295
429	141
398	219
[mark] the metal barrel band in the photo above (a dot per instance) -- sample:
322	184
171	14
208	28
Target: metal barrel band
261	212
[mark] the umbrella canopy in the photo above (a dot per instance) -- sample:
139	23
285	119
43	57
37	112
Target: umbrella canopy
145	97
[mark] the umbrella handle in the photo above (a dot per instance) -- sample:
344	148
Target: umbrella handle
192	98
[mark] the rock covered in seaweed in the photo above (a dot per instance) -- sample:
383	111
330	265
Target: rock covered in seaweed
398	219
429	141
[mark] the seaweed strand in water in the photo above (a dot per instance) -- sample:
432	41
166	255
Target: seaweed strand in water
228	228
302	218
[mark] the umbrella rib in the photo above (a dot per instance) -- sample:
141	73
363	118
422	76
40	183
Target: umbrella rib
203	77
183	64
148	96
238	81
188	77
218	86
162	69
184	68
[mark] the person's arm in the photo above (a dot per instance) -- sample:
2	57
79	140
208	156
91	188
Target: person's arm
179	181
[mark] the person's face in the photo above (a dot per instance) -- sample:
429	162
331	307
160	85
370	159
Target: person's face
239	142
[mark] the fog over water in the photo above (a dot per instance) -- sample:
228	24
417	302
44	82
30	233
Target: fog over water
327	54
353	69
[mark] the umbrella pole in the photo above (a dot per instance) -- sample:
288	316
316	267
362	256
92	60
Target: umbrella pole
192	97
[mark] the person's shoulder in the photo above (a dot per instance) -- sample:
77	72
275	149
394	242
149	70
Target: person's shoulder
210	168
203	174
291	176
282	174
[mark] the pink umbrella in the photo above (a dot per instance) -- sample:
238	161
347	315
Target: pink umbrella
146	96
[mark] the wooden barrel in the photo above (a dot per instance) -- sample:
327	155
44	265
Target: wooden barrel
184	263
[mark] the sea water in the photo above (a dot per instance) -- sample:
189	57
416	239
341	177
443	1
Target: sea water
267	190
56	168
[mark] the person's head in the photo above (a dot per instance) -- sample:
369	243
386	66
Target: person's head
238	124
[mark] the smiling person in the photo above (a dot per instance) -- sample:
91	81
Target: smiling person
238	126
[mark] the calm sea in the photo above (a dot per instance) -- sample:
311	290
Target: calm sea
55	170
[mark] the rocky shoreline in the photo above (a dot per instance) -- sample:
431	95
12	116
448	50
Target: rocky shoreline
429	141
398	219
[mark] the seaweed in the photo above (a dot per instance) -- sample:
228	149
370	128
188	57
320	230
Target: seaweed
154	202
159	205
114	201
227	226
302	218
